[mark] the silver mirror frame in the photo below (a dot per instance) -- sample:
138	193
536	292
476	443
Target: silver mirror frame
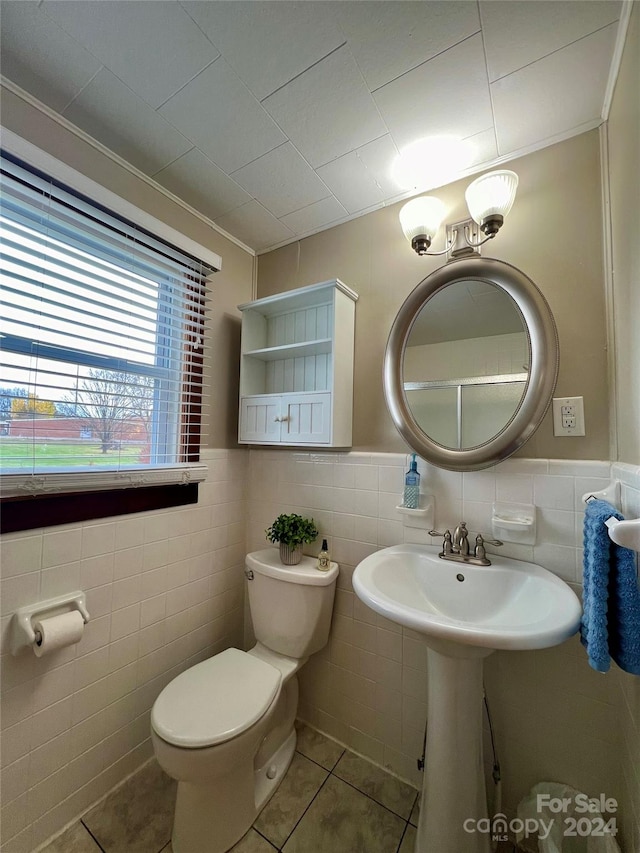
543	364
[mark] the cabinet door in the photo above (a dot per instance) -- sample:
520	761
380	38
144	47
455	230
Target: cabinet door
260	419
306	418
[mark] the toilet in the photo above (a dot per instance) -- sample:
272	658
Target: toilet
225	727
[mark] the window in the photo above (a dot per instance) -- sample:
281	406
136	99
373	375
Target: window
102	332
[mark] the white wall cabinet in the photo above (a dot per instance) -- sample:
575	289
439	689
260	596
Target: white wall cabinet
296	369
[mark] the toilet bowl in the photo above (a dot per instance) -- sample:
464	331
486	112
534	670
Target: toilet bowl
225	727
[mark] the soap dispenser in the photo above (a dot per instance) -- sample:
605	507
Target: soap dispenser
411	498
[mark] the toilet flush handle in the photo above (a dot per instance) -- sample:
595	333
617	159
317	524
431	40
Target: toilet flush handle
248	573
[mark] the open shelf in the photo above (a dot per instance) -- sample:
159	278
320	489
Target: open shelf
301	350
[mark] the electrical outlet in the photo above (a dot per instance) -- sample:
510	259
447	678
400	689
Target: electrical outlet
568	416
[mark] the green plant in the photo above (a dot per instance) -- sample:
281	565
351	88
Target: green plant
292	530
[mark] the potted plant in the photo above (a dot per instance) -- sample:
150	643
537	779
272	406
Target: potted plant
292	532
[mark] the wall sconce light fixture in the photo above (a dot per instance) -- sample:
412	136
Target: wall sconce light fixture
489	199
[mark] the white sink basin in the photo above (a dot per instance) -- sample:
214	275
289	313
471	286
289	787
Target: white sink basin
507	605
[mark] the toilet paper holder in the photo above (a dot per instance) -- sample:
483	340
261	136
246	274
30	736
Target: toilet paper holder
22	630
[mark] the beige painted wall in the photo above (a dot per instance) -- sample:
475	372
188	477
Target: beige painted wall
231	286
624	153
553	233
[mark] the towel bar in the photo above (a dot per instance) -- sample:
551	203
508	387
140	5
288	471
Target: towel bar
611	494
624	533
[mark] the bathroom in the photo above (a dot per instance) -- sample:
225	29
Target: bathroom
166	588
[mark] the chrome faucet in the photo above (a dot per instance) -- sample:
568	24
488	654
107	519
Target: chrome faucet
456	547
460	541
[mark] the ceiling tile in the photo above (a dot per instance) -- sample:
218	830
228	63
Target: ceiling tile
152	46
255	226
389	39
199	182
282	181
222	118
351	182
41	57
268	44
328	110
446	95
378	157
561	91
484	146
315	216
111	113
517	34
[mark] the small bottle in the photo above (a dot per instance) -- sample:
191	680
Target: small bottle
324	560
411	497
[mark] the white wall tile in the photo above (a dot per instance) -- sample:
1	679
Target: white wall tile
558	559
59	580
556	527
53	686
51	721
16	741
553	492
514	487
50	757
98	539
99	600
96	571
129	532
376	671
152	610
396	660
125	621
20	554
18	591
61	546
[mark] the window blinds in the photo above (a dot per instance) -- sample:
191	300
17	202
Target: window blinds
102	331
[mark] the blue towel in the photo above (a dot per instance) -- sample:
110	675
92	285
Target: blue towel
611	602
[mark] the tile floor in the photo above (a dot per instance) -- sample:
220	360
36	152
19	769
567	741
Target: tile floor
330	801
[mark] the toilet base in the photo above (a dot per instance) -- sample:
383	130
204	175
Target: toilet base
268	777
212	818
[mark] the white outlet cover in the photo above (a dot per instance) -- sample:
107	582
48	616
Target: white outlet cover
577	404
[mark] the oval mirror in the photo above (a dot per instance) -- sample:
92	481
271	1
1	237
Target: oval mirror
471	364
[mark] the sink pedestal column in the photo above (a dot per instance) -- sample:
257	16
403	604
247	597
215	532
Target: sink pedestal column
453	789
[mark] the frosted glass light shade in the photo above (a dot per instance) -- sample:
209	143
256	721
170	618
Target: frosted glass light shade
491	195
422	217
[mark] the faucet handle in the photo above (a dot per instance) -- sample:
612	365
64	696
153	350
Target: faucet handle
447	547
496	542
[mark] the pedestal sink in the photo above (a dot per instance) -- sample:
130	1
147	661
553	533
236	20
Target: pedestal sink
465	612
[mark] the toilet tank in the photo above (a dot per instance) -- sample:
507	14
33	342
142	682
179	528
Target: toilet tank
290	606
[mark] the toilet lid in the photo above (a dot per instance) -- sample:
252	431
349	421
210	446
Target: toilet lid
215	700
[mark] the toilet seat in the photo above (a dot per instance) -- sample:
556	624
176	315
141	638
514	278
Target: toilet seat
215	700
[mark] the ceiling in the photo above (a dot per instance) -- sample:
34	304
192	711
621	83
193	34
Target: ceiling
276	119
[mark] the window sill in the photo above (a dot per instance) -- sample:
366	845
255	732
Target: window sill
20	485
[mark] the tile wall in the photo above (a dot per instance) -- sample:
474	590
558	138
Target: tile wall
554	717
164	590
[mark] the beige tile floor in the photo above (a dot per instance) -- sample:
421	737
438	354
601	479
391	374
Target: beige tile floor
330	801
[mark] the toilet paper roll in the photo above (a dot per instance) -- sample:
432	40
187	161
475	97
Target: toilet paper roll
57	632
